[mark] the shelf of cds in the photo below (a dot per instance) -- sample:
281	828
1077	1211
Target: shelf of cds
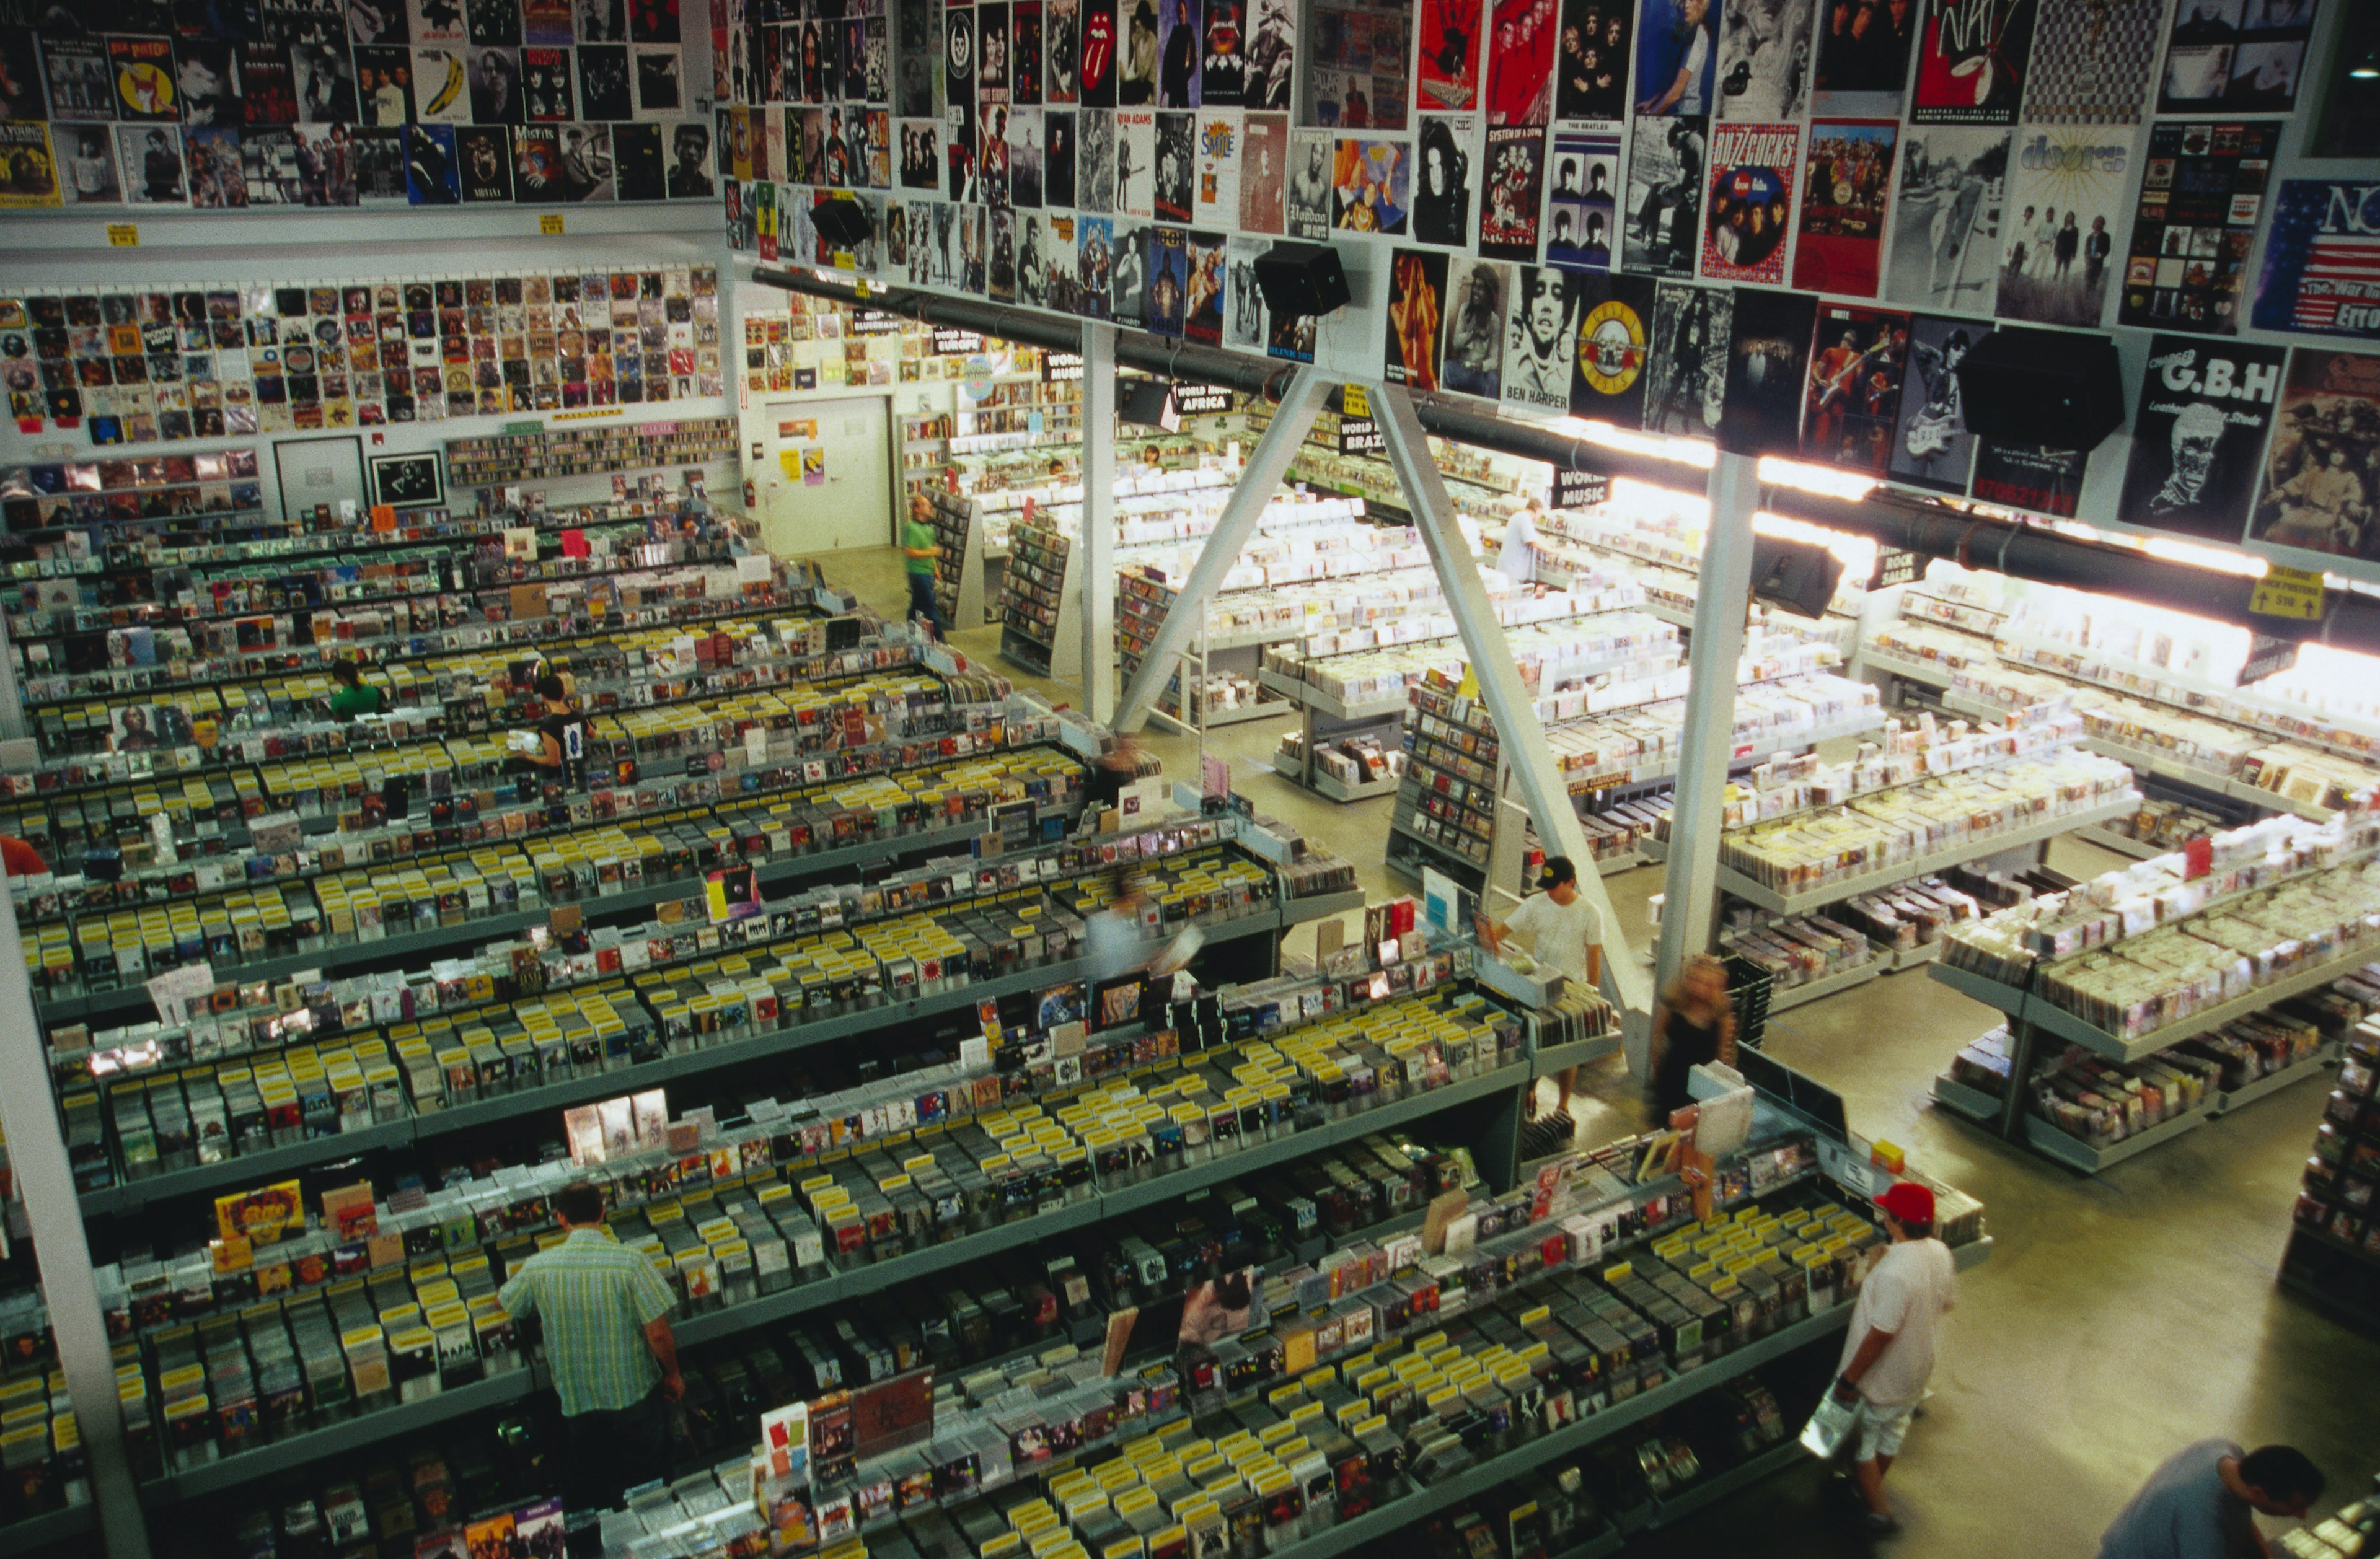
959	567
1041	602
2148	1000
503	459
2333	1256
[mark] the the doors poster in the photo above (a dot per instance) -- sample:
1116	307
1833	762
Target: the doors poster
2322	260
2322	478
2202	411
2066	190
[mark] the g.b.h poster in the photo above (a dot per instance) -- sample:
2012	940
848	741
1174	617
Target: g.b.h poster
2198	437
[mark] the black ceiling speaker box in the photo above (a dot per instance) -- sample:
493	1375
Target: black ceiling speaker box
1301	279
1148	402
1796	575
841	223
2060	389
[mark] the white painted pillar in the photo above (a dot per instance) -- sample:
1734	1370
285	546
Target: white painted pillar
1267	463
37	1149
1519	733
1098	520
1721	599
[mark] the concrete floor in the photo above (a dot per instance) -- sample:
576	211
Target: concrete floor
2119	1318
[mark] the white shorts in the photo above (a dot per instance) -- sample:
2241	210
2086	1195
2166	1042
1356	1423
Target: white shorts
1881	1430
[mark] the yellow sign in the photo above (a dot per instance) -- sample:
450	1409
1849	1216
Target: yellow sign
1354	402
1470	685
550	224
124	234
584	416
2288	592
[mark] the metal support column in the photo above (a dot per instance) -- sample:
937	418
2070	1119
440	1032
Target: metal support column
1261	478
1722	597
1519	733
1098	520
37	1149
12	698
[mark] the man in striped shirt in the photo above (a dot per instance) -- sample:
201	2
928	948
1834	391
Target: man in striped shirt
609	1346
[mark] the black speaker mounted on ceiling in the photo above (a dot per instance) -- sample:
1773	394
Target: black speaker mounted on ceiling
1150	403
1797	575
1301	279
2060	389
842	222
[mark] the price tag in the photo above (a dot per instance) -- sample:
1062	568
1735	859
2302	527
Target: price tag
1354	402
550	224
2288	592
124	234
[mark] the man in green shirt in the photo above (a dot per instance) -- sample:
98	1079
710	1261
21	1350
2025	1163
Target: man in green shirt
609	1346
918	548
355	696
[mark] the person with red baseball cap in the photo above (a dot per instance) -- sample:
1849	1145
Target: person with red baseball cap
1888	1351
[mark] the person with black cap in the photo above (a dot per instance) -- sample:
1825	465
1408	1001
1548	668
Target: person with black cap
1888	1351
1564	932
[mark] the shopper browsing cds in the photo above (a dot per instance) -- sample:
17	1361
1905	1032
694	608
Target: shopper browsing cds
1888	1351
558	743
2201	1503
919	548
1695	1023
355	698
1563	931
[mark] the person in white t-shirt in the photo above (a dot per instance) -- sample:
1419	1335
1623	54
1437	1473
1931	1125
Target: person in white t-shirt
1517	559
1889	1352
1563	932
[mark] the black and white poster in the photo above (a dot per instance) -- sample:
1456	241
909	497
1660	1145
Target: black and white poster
1943	254
1540	338
1685	382
1931	446
1665	195
2205	408
1477	300
1763	60
2322	479
2236	56
1591	62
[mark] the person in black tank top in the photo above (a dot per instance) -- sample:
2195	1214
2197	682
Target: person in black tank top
562	751
1695	1022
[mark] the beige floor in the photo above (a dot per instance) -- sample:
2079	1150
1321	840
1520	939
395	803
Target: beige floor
2119	1318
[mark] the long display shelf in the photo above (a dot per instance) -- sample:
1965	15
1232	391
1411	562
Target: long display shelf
1984	1109
2050	1142
1573	1053
2028	1006
2273	1083
646	1074
102	1005
36	1532
332	1440
1973	849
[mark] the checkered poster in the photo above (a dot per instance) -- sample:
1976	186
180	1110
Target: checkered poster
2092	61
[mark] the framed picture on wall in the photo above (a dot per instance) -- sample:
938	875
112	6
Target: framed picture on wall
407	481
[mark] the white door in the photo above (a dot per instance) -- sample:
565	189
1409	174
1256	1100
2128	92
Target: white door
827	483
319	471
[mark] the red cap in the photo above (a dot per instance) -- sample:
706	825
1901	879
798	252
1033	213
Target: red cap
1909	1201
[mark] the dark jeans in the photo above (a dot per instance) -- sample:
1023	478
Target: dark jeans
615	1450
921	604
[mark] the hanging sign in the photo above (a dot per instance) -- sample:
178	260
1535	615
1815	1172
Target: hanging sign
1576	489
1354	402
950	341
2287	592
1061	368
1201	400
2266	655
1360	435
1893	566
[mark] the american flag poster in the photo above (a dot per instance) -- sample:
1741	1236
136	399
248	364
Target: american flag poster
2322	260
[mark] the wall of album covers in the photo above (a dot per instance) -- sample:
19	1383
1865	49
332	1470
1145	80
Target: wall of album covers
241	104
1779	223
573	332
